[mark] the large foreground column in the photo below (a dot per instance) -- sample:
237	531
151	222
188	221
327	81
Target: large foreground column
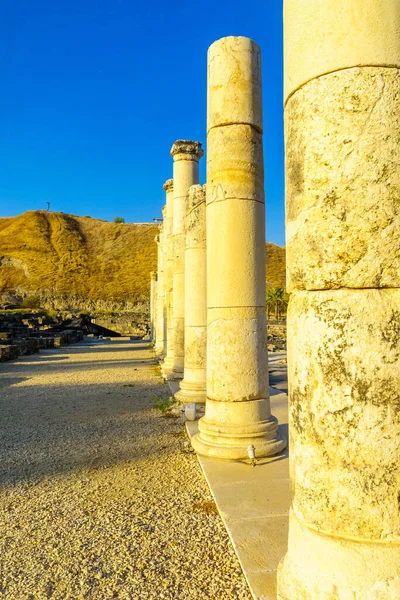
237	407
342	120
168	363
193	386
186	155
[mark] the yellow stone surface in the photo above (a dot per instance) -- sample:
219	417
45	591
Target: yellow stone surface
193	386
237	361
344	417
186	155
234	83
168	363
329	35
342	181
236	257
159	316
237	407
235	157
320	567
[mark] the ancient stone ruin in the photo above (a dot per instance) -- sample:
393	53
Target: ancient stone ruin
342	206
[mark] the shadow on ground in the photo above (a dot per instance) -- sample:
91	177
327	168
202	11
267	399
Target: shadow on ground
49	429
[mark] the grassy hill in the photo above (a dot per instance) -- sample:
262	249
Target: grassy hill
63	256
76	256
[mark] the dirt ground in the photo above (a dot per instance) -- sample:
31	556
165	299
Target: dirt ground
100	494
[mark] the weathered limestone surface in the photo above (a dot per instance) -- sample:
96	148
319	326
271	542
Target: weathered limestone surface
343	247
237	407
344	358
193	386
164	286
342	179
234	64
186	155
325	36
153	304
235	155
159	317
168	363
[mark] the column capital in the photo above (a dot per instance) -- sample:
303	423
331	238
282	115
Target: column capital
168	185
186	150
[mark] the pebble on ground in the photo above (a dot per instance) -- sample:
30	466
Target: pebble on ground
100	495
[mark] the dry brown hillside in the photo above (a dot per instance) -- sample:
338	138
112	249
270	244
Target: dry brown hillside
76	256
276	265
61	256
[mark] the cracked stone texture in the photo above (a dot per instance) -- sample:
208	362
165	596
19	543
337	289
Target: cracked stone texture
342	181
100	496
344	390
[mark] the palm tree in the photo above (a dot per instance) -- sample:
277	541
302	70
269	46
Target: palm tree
277	299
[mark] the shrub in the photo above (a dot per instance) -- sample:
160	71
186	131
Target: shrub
119	220
31	302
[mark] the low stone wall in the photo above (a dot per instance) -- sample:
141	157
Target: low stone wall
24	347
125	324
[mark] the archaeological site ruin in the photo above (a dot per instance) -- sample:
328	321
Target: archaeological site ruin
342	219
300	450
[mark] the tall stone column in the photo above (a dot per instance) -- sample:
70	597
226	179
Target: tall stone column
186	155
193	386
153	302
164	290
168	363
237	407
159	345
342	121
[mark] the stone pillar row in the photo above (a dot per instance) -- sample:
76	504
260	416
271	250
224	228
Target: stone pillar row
211	319
342	143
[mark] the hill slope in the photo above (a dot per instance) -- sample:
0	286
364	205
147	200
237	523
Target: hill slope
276	266
63	255
86	262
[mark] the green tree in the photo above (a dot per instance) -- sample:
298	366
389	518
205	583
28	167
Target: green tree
277	300
119	220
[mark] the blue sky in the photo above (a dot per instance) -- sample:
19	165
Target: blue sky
94	93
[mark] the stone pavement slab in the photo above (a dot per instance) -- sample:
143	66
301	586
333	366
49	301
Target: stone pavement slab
254	501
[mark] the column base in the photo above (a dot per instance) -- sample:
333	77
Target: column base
167	366
191	392
176	375
228	428
326	567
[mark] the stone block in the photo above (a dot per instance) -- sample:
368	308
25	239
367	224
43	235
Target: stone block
344	392
342	181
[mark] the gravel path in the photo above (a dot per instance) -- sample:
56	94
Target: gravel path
100	496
